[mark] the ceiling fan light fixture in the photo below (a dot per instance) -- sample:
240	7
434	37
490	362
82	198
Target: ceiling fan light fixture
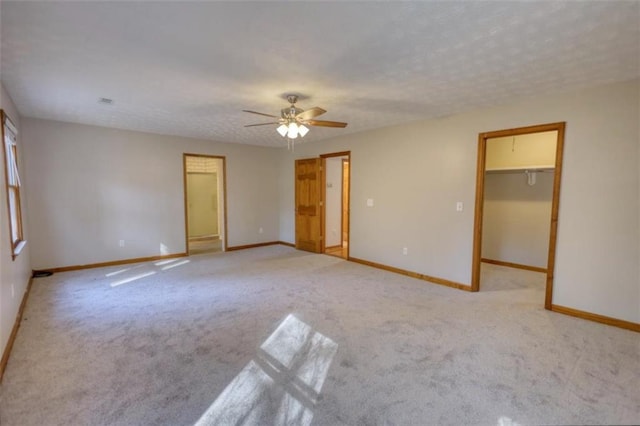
290	122
293	130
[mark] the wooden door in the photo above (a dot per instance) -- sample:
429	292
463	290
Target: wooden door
345	204
309	205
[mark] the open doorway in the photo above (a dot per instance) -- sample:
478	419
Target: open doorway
336	206
204	201
516	211
311	210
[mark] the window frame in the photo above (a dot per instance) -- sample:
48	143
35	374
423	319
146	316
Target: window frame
14	199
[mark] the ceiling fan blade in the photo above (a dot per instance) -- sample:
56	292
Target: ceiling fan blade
310	113
324	123
260	113
260	124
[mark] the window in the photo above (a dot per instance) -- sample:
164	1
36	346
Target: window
12	178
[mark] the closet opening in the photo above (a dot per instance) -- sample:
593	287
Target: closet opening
516	210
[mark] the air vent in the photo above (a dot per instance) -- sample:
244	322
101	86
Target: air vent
105	101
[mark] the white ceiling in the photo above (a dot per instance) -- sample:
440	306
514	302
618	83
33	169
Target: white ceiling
189	68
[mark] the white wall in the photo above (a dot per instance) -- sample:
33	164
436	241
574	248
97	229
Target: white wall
429	165
517	218
202	200
333	201
94	186
14	274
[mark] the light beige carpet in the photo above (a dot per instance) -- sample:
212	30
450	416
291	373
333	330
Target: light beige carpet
276	336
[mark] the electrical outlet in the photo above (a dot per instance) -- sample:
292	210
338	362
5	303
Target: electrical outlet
121	243
260	231
405	251
459	206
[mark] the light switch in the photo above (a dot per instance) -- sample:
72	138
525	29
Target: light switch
459	206
369	202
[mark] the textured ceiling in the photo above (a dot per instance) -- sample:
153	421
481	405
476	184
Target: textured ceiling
189	68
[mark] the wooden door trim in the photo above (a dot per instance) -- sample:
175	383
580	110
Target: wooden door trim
555	203
323	203
184	193
324	186
345	161
336	154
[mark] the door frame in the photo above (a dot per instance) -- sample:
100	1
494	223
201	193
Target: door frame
224	196
479	203
324	197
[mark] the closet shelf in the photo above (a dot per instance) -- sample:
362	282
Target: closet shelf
521	169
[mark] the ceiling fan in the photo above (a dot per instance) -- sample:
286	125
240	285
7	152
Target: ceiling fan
293	120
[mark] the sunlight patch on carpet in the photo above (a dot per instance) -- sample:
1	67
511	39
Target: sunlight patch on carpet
506	421
162	265
111	274
282	385
134	278
173	265
165	262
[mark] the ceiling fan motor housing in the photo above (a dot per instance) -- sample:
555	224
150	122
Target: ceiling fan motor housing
290	112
